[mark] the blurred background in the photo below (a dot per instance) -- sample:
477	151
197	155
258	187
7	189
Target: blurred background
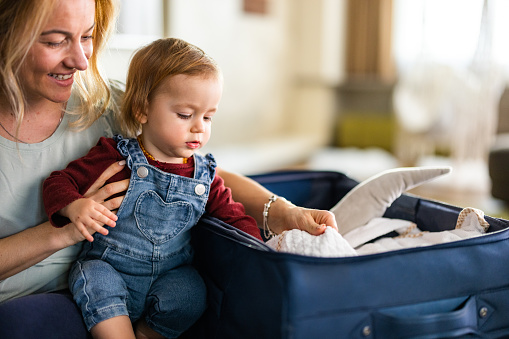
356	86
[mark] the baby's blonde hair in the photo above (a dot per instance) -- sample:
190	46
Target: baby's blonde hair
151	65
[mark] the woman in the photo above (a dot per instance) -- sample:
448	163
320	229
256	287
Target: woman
54	106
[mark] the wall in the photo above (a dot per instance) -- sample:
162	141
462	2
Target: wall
250	50
281	70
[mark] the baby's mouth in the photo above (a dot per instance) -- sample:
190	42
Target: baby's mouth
193	144
61	76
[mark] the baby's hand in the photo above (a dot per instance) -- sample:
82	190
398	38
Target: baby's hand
87	214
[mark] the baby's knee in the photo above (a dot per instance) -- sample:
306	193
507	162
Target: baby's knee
188	302
176	302
172	319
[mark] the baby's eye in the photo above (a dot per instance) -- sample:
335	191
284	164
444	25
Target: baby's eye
207	118
184	116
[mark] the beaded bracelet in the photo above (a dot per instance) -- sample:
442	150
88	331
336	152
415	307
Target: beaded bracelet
267	232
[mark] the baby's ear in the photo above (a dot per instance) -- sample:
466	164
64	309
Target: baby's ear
372	197
142	114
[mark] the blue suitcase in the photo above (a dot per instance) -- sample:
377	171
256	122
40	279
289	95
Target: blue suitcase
452	290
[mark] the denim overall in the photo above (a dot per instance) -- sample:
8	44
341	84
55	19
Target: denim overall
142	268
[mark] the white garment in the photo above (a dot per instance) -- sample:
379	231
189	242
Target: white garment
23	168
470	224
328	244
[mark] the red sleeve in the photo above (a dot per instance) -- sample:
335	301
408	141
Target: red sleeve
221	205
63	187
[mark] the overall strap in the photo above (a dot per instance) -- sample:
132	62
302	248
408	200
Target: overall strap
130	150
204	167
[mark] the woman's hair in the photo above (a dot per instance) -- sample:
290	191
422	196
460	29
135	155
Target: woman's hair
93	90
21	24
151	65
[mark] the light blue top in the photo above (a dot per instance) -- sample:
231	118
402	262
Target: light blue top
23	168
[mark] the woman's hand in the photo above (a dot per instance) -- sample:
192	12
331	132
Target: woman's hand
26	248
100	192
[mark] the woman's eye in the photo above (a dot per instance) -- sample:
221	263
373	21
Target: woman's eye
54	44
88	37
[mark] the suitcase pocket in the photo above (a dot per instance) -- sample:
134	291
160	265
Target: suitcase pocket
478	316
440	319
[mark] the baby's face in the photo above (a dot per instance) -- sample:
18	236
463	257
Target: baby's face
178	118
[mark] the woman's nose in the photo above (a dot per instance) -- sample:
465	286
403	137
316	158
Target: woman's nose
78	57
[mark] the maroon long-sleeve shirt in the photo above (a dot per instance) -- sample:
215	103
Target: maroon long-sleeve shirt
65	186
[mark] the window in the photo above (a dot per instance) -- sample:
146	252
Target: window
139	23
448	31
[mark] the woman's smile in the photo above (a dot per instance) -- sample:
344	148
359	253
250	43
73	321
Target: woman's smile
61	76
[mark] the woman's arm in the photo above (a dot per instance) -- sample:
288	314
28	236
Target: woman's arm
24	249
283	215
28	247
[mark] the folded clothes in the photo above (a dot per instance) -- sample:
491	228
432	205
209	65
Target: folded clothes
470	224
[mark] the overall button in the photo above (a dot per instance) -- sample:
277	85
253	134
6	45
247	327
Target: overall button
199	189
142	172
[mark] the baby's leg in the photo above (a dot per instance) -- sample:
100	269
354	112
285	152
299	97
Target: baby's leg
176	301
101	294
114	328
144	332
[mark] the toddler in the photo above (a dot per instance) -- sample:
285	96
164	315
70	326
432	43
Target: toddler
137	267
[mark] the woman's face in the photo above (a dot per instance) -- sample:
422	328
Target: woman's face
64	47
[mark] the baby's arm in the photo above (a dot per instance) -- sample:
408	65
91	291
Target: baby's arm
221	205
86	213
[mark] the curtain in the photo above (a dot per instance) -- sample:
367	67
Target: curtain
369	40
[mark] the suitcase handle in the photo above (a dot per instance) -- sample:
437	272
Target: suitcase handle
457	323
